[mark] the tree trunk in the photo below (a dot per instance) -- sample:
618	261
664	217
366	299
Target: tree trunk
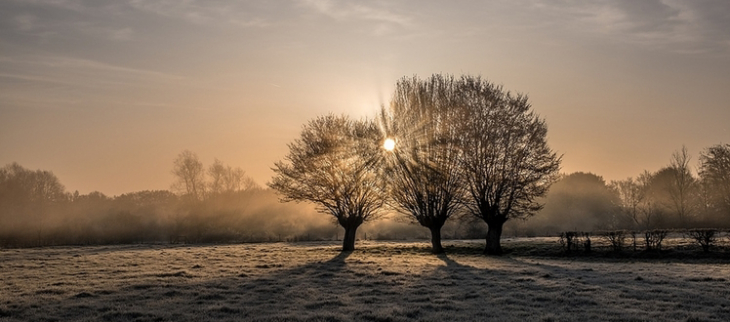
436	240
494	235
348	243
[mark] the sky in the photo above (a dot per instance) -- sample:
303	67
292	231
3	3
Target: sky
107	93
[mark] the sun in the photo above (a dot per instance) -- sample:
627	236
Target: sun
389	144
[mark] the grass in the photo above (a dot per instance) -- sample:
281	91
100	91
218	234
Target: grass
381	281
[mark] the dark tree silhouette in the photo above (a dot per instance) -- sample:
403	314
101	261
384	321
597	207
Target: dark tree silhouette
423	168
715	174
632	197
507	164
645	200
335	164
28	199
24	185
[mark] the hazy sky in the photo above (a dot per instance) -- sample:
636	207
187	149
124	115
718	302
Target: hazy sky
106	93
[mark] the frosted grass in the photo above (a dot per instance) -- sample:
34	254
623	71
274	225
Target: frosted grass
381	281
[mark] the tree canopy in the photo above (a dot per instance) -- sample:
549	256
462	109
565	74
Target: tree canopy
335	164
423	168
507	164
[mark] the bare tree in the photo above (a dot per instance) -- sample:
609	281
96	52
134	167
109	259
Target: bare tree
226	179
189	175
650	207
423	168
683	186
335	164
642	199
236	180
507	164
216	173
715	174
631	194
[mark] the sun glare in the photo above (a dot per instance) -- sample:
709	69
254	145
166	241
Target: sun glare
389	144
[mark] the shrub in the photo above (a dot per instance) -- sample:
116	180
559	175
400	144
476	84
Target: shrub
705	237
616	238
653	238
567	241
572	240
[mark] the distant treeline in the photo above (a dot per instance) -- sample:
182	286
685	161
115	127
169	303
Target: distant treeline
674	197
226	206
36	210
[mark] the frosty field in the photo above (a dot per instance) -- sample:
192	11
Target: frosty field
381	281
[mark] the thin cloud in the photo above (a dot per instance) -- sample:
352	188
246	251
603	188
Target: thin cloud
121	34
255	22
26	22
676	25
32	78
70	5
203	12
78	72
384	18
86	64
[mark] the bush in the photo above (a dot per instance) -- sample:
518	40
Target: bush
616	238
653	238
705	237
572	240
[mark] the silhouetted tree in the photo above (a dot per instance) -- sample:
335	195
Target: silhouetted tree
189	175
631	196
682	191
28	199
423	169
507	164
645	200
652	209
715	174
335	164
26	185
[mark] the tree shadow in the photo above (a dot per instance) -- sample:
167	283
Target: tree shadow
394	282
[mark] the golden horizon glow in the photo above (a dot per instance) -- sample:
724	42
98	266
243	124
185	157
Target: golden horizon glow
236	80
389	144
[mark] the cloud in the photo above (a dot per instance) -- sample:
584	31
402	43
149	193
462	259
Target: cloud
204	12
26	22
255	22
384	18
86	64
70	5
113	19
121	34
675	25
649	20
77	72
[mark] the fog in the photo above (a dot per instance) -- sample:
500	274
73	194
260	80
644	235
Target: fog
577	202
161	216
36	209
